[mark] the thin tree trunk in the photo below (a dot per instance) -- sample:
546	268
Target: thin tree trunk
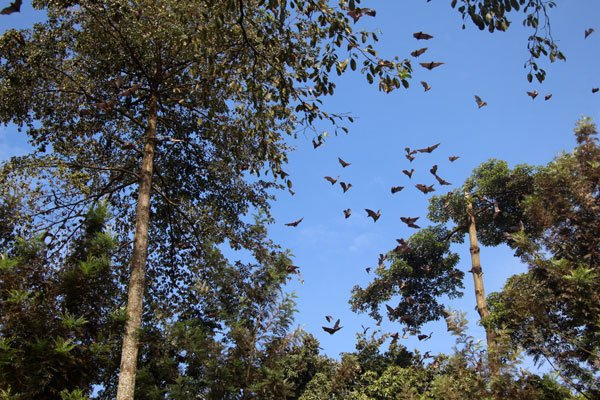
477	272
129	353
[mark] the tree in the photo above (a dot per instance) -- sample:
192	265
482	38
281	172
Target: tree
552	309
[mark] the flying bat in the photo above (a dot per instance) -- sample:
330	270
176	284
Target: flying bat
381	259
431	65
358	12
368	269
409	151
548	97
408	173
433	169
345	186
480	103
429	149
373	214
395	337
453	158
396	189
343	163
409	157
424	188
347	213
441	181
595	90
422	36
410	222
331	180
588	32
329	318
417	53
334	329
295	223
423	337
14	7
426	86
316	143
533	94
390	309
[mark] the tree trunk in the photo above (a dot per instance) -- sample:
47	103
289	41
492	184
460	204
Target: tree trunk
477	272
129	352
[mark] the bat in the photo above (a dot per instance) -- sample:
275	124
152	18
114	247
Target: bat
343	163
426	86
441	181
424	188
396	189
417	53
433	170
431	65
373	214
390	309
14	7
381	259
407	319
422	36
595	90
331	180
423	337
368	269
548	97
395	337
295	223
409	151
293	269
480	103
316	143
334	329
429	149
345	186
533	94
329	318
588	32
409	157
453	158
410	222
408	173
347	213
357	13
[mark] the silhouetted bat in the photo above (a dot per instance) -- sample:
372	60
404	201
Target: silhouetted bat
396	189
295	223
548	96
533	94
347	213
395	337
429	149
345	186
329	318
433	169
417	53
410	222
409	157
344	163
334	329
422	36
480	103
408	173
588	32
423	337
424	188
431	65
373	214
14	7
368	269
595	90
426	86
442	181
357	13
390	309
409	151
331	180
381	259
453	158
316	143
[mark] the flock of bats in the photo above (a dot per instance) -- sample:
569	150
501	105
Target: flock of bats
356	14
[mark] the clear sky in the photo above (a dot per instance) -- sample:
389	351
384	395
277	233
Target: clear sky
333	252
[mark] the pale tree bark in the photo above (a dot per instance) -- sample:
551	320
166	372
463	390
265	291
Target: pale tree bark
477	272
129	352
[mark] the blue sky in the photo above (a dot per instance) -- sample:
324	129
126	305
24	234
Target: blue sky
333	252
